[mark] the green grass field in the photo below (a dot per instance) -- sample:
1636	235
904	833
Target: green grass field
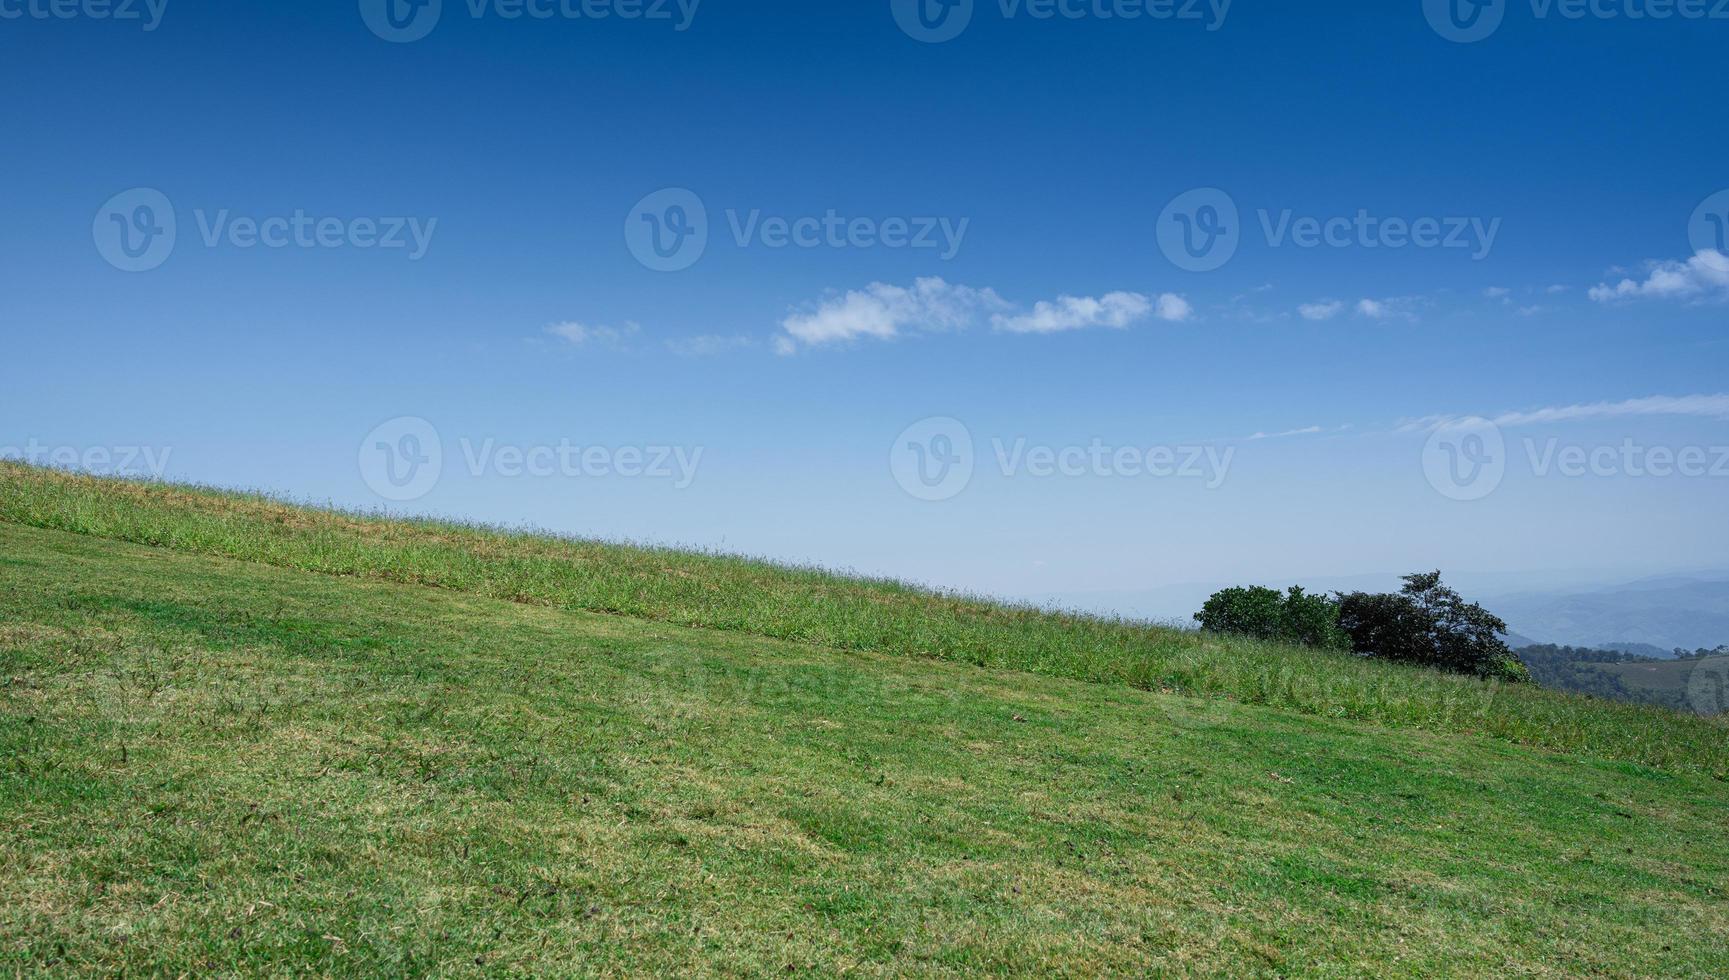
1669	676
241	737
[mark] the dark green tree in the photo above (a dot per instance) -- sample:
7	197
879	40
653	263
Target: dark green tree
1295	617
1428	624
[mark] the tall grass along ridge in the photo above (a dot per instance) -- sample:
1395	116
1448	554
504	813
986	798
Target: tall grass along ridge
820	608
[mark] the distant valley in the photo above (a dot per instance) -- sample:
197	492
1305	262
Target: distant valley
1650	616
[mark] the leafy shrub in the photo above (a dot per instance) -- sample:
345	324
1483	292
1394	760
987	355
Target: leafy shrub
1428	624
1295	617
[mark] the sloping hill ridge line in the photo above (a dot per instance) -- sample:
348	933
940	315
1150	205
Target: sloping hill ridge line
222	767
813	606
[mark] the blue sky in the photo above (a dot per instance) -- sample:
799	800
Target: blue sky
1573	160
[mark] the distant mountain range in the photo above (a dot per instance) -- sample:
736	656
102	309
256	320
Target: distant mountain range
1648	616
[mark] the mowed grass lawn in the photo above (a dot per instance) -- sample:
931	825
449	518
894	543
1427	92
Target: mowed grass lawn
209	765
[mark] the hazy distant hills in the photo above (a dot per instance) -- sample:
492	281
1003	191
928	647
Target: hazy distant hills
1649	616
1663	613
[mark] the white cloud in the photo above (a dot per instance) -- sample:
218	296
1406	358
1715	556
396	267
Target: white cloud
1372	308
1556	290
707	345
1706	274
1497	292
1698	406
1312	430
1309	431
1174	308
1114	310
1321	311
1694	406
579	334
882	311
1386	309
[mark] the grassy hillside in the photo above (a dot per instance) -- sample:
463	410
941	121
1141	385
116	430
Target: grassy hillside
216	766
1666	682
1630	679
810	606
1667	677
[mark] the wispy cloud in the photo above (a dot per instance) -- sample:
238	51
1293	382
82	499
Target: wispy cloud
1382	309
581	334
1704	276
1408	308
883	311
1693	406
1114	310
1325	310
1242	307
1308	431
